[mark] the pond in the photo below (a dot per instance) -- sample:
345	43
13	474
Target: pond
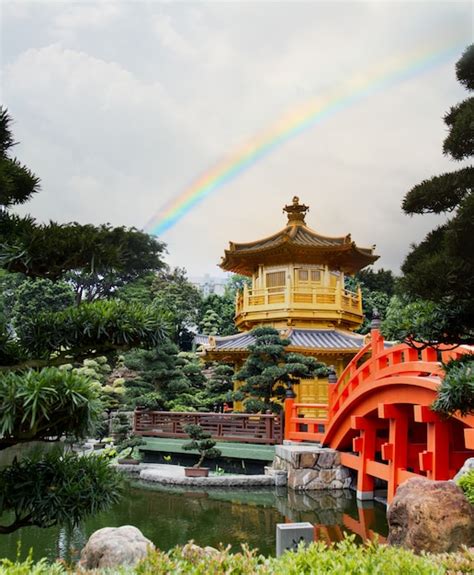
172	516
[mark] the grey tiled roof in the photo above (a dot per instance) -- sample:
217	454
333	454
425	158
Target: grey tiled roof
302	338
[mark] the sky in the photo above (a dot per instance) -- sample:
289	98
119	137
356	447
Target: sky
120	106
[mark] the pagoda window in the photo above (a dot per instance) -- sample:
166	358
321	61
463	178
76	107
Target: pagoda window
306	276
303	275
275	280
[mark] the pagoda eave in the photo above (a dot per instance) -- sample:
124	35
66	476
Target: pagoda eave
347	258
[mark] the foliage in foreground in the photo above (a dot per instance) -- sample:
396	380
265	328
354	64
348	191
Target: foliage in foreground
466	483
344	557
46	404
56	489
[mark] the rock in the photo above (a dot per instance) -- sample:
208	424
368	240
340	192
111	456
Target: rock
468	466
308	459
192	551
112	546
327	460
432	516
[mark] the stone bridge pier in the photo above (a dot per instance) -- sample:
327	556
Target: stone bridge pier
311	467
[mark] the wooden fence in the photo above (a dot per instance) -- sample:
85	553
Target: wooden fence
242	427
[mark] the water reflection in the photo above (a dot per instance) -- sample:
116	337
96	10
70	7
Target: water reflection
172	516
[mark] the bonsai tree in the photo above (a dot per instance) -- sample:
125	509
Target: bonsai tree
201	442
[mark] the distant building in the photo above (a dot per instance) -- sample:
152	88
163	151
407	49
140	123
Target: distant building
208	285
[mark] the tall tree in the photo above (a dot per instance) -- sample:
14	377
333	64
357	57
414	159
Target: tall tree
177	297
441	268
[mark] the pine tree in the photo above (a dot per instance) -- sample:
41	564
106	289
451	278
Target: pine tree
441	268
269	371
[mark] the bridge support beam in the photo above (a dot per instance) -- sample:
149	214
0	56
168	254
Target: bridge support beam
435	459
365	446
395	451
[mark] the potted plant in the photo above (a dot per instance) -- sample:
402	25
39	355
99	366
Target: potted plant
128	445
202	443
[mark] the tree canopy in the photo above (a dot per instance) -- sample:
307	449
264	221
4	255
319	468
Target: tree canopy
17	182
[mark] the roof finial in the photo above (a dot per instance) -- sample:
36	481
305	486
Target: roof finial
296	211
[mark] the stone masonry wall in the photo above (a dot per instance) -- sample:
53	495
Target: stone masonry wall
311	467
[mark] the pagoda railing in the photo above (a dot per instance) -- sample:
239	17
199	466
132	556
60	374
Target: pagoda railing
242	427
292	297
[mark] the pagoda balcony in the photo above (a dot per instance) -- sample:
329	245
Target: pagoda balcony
299	306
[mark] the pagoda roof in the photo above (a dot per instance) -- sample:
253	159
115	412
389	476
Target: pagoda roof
307	339
297	243
330	339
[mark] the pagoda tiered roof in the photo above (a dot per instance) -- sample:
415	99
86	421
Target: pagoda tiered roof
297	243
300	339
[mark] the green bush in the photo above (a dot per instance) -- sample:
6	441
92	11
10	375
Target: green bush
456	392
57	489
342	558
29	567
46	403
466	483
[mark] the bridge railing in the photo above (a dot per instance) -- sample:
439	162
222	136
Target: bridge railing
401	359
298	426
242	427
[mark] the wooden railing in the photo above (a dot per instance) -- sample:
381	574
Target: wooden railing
323	298
242	427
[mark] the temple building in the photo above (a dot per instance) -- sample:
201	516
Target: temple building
298	288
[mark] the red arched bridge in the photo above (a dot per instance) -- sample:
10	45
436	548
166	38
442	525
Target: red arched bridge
379	418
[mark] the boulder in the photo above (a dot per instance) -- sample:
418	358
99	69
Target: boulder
432	516
112	546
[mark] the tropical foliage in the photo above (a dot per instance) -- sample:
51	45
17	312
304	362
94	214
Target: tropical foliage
95	327
43	404
456	392
56	489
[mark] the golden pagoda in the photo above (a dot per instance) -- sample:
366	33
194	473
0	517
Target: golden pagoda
297	287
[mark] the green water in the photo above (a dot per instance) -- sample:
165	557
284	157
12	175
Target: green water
171	517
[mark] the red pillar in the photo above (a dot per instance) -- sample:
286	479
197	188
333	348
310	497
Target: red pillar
435	459
365	445
289	425
396	450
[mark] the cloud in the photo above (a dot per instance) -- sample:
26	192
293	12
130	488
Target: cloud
120	105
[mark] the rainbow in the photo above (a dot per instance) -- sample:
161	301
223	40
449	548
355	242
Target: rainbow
293	123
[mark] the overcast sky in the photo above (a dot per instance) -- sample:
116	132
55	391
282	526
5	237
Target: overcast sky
119	106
